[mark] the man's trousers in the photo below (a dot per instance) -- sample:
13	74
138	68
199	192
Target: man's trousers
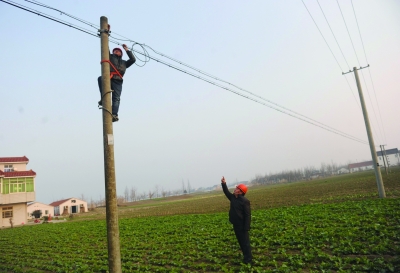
244	242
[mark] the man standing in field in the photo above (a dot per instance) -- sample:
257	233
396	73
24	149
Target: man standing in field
240	217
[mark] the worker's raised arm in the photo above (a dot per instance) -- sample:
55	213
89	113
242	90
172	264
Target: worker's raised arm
228	194
132	58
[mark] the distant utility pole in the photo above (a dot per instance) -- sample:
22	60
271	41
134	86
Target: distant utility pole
383	157
114	254
386	157
378	174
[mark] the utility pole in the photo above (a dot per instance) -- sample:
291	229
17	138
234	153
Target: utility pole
387	159
383	157
114	254
378	174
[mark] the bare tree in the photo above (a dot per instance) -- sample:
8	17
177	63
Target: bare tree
120	200
151	194
329	169
308	172
101	202
183	187
189	189
126	194
132	195
91	204
323	168
156	190
334	168
163	192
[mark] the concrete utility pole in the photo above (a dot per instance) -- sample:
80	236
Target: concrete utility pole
383	157
386	157
114	254
378	175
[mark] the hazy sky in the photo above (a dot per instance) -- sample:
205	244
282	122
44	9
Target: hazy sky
175	127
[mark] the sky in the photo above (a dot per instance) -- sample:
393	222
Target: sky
174	127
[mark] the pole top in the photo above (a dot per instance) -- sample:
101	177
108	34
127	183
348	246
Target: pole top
354	69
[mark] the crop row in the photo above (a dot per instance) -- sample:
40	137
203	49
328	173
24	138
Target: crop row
335	189
352	236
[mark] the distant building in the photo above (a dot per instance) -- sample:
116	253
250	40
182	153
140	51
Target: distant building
17	188
391	157
46	210
361	166
69	206
342	170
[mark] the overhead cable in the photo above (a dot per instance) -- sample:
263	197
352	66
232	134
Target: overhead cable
326	19
323	37
255	100
362	73
253	94
47	16
147	57
62	12
369	70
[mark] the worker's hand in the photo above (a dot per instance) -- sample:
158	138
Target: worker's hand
223	180
125	47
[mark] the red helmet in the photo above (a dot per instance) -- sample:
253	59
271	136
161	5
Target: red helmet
117	48
242	187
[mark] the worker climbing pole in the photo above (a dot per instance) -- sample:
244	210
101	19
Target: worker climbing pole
117	67
114	253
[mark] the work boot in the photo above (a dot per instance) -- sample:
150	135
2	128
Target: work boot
100	103
115	118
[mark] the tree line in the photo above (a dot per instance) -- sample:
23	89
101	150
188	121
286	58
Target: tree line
306	173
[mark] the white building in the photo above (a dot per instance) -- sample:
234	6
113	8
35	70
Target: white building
46	210
391	157
342	170
69	206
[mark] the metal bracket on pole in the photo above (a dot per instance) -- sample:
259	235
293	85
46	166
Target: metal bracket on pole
344	73
100	31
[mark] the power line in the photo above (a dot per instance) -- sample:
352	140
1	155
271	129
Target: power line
255	100
323	37
198	70
340	49
369	70
181	63
351	40
362	73
60	11
47	16
255	95
326	19
211	76
148	57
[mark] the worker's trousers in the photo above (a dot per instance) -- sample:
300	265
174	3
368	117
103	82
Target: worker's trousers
244	242
116	87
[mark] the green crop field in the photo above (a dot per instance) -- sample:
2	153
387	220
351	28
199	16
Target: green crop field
335	224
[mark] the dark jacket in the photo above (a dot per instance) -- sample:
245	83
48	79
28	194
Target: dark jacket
239	213
120	64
